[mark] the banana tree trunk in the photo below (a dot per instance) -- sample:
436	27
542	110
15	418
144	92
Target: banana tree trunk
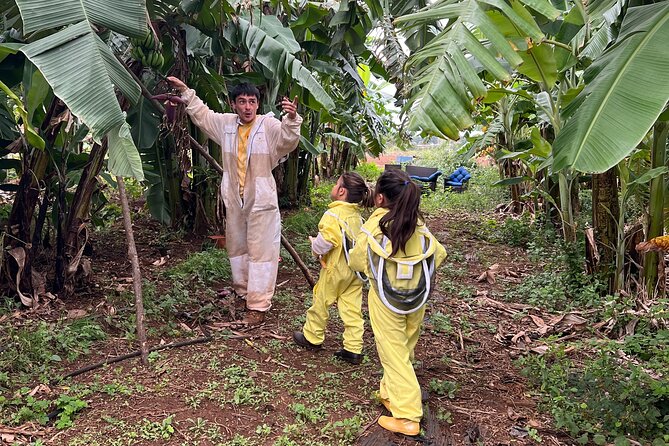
21	216
656	208
566	208
605	209
75	226
20	221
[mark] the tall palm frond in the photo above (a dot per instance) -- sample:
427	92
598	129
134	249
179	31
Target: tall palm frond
441	100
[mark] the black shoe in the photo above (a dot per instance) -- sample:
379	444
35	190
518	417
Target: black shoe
345	355
300	340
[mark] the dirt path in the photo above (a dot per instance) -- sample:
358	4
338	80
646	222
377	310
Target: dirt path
255	387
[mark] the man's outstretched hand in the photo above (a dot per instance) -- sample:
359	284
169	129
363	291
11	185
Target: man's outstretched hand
177	84
289	107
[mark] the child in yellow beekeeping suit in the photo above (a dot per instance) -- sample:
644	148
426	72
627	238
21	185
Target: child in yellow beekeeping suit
399	255
337	283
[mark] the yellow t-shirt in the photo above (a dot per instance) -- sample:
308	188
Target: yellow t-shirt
243	133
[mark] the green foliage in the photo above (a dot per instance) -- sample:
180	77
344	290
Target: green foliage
133	188
562	284
67	407
23	407
156	430
601	400
35	348
513	231
369	171
206	267
443	387
303	222
441	323
309	414
320	195
345	430
106	216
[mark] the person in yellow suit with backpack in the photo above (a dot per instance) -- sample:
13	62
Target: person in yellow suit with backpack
337	283
399	255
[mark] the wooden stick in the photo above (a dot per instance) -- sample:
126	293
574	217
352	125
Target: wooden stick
88	368
307	275
136	273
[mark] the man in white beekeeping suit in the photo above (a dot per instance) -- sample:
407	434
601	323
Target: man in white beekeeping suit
252	146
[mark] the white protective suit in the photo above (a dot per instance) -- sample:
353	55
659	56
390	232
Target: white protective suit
253	223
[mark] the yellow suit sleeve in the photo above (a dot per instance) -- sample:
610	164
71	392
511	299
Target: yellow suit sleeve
358	255
329	230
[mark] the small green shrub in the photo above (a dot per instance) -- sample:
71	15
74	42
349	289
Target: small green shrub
32	350
512	231
369	171
602	400
561	284
206	267
304	222
443	387
319	196
441	323
309	414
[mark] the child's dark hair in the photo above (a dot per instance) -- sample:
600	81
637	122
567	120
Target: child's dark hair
358	191
403	200
245	89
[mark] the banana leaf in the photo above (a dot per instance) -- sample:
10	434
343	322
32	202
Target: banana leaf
272	55
626	90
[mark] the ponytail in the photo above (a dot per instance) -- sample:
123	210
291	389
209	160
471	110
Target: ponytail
358	191
403	202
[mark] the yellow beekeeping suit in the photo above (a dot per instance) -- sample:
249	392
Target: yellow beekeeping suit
396	328
337	282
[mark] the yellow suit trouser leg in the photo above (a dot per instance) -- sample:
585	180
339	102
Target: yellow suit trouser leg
348	296
350	311
396	336
317	314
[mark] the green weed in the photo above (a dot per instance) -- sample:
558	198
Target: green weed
206	267
443	387
309	414
441	323
369	171
513	231
562	284
34	349
303	222
600	400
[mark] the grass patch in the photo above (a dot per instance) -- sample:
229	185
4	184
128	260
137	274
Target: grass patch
602	400
33	351
205	267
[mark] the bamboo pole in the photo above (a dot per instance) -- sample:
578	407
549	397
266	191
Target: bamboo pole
136	273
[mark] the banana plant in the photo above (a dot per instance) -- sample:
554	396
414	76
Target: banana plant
86	78
625	92
445	89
